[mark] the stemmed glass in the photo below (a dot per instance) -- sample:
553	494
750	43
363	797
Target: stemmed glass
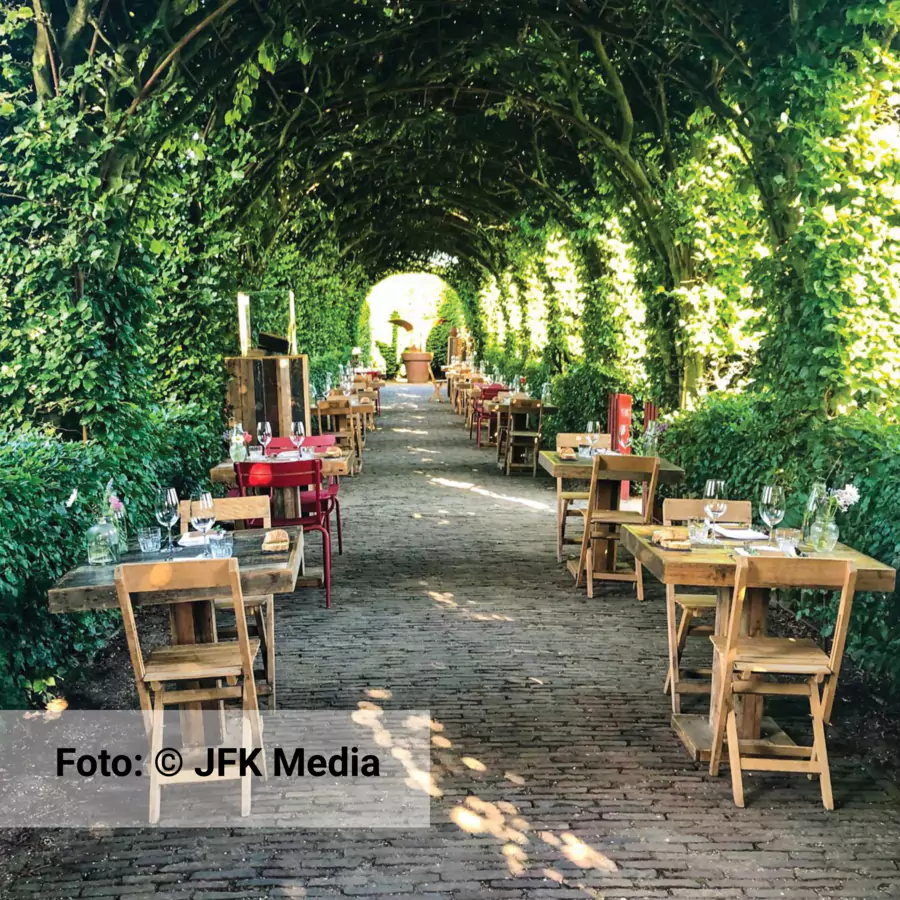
624	439
771	507
298	433
166	512
264	434
714	507
203	517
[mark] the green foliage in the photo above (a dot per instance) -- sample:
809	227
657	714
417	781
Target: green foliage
451	312
389	354
752	439
40	537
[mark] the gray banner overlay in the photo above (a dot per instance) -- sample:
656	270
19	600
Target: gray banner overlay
364	768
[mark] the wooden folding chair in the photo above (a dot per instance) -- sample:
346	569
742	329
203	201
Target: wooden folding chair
335	416
601	525
436	385
565	499
524	438
173	664
694	606
743	661
262	606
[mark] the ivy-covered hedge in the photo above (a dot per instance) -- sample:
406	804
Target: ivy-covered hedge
40	537
751	439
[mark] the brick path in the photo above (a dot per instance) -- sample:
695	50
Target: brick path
449	596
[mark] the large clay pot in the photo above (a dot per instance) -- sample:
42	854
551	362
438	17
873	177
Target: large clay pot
417	365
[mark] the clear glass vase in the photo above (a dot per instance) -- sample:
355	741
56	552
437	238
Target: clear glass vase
823	535
102	542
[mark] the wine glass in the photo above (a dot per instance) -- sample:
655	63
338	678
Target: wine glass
624	438
264	434
771	507
166	512
714	506
203	517
298	433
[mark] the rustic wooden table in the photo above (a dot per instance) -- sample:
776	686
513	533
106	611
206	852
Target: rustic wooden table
93	587
713	566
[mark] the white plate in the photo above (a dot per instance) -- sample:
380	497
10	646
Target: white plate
740	534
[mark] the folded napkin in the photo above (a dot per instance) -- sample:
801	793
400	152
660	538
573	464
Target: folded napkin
191	539
764	551
739	534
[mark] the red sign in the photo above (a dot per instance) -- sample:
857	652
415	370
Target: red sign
619	425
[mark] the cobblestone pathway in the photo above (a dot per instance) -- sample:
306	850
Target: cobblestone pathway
449	597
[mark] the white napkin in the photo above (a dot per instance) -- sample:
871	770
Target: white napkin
739	534
767	551
191	539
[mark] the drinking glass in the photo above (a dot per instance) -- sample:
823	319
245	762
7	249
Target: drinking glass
166	512
714	506
298	433
203	517
149	540
223	546
698	531
264	433
771	507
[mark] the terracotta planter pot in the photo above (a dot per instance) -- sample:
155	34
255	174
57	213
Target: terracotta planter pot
417	366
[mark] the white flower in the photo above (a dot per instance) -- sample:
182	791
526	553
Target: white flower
72	498
846	496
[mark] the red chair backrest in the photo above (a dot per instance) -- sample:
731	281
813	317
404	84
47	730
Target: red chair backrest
278	445
490	392
305	474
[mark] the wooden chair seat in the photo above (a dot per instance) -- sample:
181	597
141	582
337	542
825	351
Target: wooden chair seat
614	517
696	602
249	602
780	656
564	499
193	661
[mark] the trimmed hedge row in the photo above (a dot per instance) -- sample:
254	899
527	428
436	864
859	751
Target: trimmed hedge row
750	439
40	537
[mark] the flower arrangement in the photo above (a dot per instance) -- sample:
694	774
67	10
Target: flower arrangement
839	499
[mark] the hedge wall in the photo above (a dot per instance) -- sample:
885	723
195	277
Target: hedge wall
40	537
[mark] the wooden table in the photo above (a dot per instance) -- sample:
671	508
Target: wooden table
580	469
93	587
714	566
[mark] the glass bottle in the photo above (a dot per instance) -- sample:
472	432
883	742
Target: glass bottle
102	543
237	447
816	494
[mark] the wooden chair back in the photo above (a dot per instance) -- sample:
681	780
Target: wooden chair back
642	469
676	509
573	441
166	579
526	414
780	572
232	509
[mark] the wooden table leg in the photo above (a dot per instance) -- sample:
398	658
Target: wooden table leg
195	623
749	709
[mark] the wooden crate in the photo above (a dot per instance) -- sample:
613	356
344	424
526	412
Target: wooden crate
272	389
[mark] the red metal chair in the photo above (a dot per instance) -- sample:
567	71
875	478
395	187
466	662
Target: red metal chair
332	485
317	441
314	508
482	415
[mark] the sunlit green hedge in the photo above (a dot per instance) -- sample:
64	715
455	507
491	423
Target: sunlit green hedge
40	537
748	440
